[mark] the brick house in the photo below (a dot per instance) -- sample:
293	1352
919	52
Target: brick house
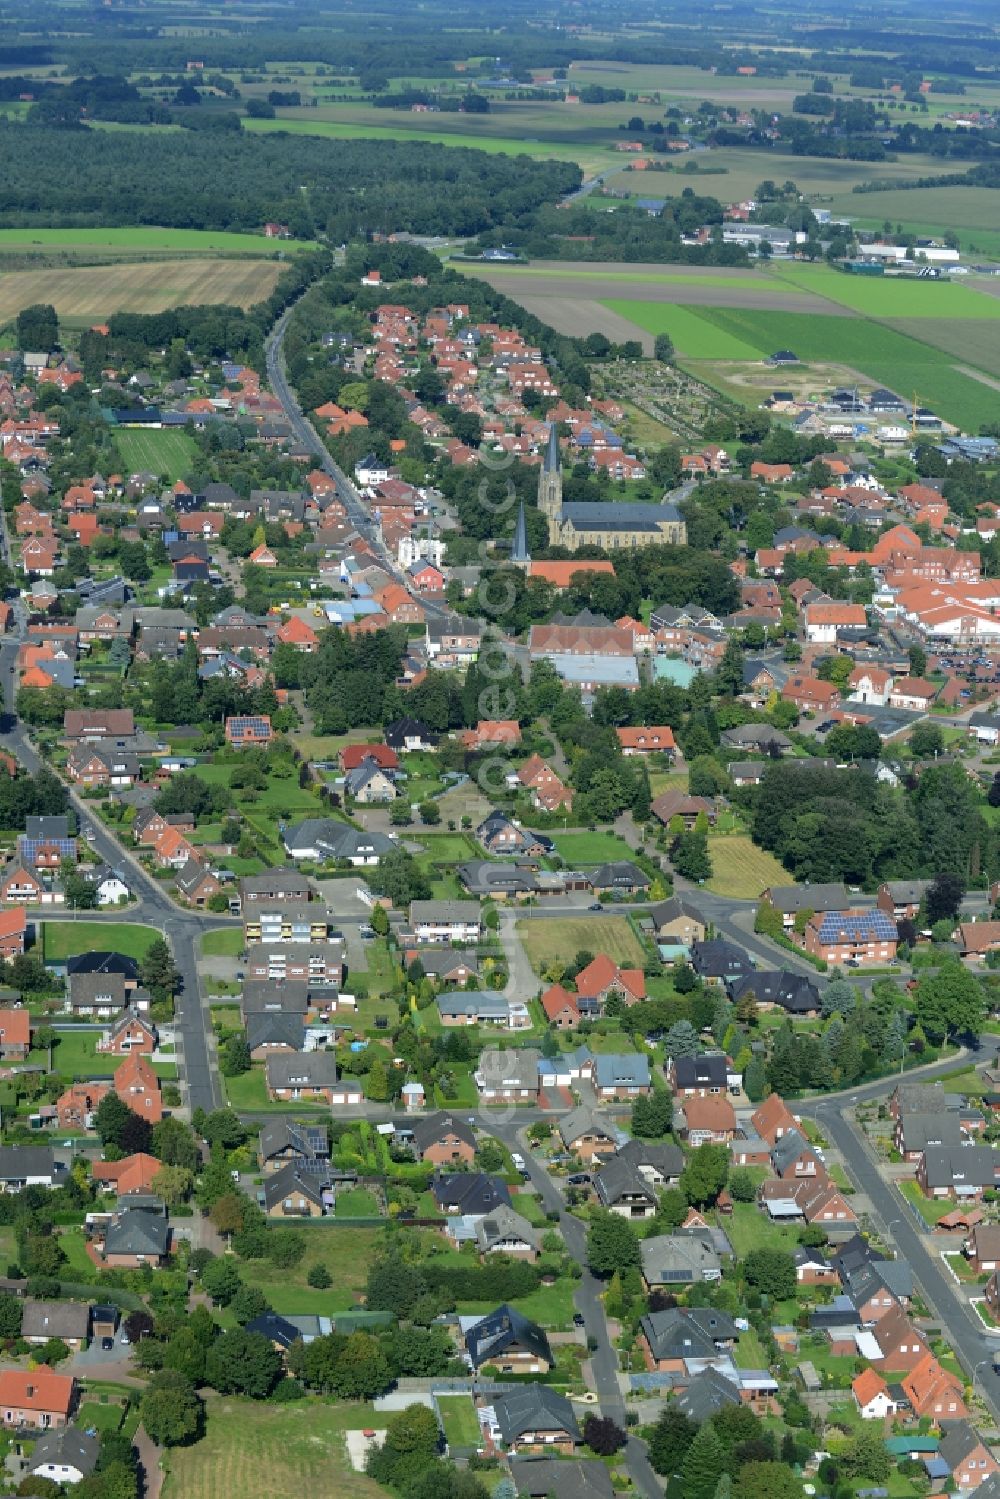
935	1392
901	1346
444	1139
13	931
982	1248
15	1034
773	1118
708	1121
810	694
968	1459
561	1009
138	1086
244	731
19	883
583	1133
131	1032
603	978
35	1399
854	937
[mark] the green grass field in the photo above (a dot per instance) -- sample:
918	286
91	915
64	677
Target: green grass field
346	1253
224	942
693	335
166	452
591	848
494	145
559	940
885	297
904	364
147	237
740	869
64	939
461	1424
284	1451
356	1202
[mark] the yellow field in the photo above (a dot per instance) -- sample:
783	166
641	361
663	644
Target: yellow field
89	293
741	870
559	939
284	1451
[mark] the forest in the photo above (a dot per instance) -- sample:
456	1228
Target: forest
230	181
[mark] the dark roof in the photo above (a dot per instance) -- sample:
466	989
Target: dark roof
275	1029
566	1478
666	1158
275	1328
308	1140
470	1192
618	1178
296	1178
66	1446
137	1230
618	872
688	1332
501	1329
103	962
534	1407
20	1161
707	1393
429	1130
715	958
708	1070
958	1440
792	991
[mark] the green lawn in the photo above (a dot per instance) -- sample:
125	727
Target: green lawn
284	1451
693	336
224	942
749	1228
930	1209
166	452
591	848
356	1202
79	1265
104	1417
75	1055
550	1306
740	869
460	1421
560	939
147	237
749	1352
247	1091
346	1253
64	939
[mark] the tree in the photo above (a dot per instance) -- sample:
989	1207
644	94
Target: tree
653	1115
603	1436
944	896
741	1185
319	1277
837	998
671	1210
768	1480
111	1118
612	1244
243	1363
10	1316
174	1144
169	1409
663	348
362	1370
704	1174
681	1040
703	1463
671	1437
235	1057
138	1325
221	1280
248	1303
867	1457
949	1002
926	741
414	1430
45	1037
394	1286
37	328
770	1271
158	972
379	921
173	1184
918	660
229	1212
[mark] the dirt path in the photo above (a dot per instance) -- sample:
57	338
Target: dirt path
966	369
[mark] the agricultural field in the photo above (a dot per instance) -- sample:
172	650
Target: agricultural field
166	452
148	238
84	294
741	870
64	939
285	1451
886	297
692	335
559	939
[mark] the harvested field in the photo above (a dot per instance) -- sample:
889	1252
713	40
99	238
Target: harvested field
761	293
559	940
91	293
741	870
975	343
579	316
139	237
617	271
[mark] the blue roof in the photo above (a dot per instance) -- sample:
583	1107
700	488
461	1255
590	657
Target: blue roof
859	926
673	669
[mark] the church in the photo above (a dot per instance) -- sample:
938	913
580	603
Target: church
612	524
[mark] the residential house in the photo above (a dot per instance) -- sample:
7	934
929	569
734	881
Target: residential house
504	1231
507	1340
982	1248
297	1190
965	1457
46	842
655	740
584	1133
472	1194
659	1165
620	1076
915	1133
686	1339
483	1007
678	1259
533	1418
810	694
35	1399
309	1076
602	978
790	900
131	1032
901	1346
901	899
872	1396
935	1392
697	1077
444	1139
508	1075
15	1033
244	731
446	920
622	1190
962	1175
677	922
561	1009
137	1234
719	962
778	989
69	1321
283	1142
856	938
620	877
547	1478
707	1121
64	1455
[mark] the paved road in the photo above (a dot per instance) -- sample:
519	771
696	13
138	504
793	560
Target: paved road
182	929
509	1126
903	1229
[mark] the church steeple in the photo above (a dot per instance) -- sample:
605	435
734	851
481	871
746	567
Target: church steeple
519	554
550	485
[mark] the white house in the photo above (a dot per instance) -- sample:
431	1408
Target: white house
870	684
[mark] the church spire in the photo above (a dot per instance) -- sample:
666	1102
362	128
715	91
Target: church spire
552	463
519	553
